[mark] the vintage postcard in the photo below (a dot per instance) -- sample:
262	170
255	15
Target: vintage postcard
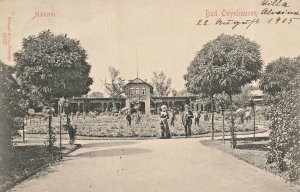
149	95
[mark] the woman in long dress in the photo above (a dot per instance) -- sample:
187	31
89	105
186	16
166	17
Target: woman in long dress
164	116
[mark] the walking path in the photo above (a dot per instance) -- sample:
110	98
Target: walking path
152	165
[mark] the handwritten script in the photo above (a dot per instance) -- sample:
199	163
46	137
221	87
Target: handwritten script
279	12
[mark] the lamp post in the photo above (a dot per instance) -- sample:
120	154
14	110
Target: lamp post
252	105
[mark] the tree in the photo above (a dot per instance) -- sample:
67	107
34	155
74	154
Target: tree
242	99
279	74
161	83
183	92
174	92
221	103
284	128
10	110
31	95
225	64
53	65
200	79
116	86
284	133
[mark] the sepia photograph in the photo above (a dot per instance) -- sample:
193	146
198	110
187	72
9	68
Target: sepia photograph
149	96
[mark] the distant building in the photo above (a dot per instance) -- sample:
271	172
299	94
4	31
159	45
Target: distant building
258	96
138	92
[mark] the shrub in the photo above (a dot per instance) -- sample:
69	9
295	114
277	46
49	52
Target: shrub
285	126
9	110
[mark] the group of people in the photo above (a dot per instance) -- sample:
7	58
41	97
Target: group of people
186	117
130	116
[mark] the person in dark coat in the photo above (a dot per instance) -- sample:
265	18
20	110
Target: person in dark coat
138	117
172	117
206	116
128	118
197	118
187	120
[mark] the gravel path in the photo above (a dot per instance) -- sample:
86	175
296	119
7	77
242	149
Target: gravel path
152	165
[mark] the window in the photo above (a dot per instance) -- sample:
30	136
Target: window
143	91
137	91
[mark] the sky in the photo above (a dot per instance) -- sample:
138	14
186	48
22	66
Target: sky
151	35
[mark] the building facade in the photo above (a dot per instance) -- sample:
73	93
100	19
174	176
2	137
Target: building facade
139	97
138	94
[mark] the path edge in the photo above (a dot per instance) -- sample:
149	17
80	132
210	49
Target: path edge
34	172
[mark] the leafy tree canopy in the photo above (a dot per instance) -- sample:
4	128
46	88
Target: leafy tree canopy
279	75
285	135
117	84
242	99
161	83
10	108
224	64
53	65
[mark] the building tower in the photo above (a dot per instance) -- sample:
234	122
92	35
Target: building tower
139	91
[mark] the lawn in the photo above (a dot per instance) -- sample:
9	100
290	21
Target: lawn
25	161
248	150
116	126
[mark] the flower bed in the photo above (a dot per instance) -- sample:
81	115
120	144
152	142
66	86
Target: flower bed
116	126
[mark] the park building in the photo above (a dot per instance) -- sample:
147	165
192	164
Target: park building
137	91
258	96
140	93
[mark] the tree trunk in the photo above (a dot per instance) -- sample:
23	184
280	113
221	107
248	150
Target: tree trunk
254	122
113	105
50	132
223	125
60	130
212	119
23	128
68	126
233	144
50	120
71	130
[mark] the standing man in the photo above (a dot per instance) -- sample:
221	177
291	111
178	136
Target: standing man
187	120
138	117
206	116
172	117
197	118
128	118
